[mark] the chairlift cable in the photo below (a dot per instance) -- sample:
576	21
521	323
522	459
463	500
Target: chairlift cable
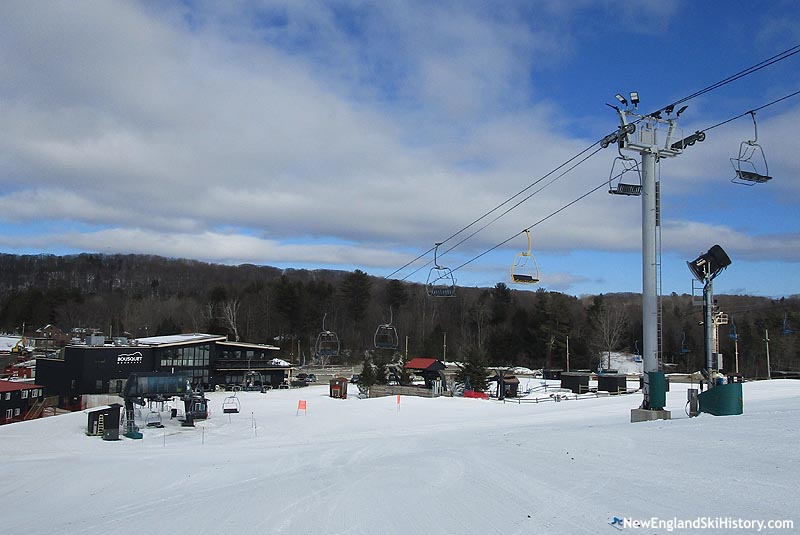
732	78
604	183
741	74
601	185
487	214
752	111
516	205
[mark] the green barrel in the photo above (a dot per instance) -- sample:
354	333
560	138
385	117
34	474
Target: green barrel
722	400
658	390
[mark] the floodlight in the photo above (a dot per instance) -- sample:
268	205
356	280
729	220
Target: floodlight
681	110
635	98
656	114
621	99
710	264
669	109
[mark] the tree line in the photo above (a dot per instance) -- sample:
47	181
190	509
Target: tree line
139	295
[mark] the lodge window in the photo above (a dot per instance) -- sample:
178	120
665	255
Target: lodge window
16	412
24	394
9	414
193	356
8	396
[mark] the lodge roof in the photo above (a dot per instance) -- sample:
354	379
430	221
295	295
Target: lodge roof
14	386
424	364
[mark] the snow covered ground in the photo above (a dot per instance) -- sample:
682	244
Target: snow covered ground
446	465
625	363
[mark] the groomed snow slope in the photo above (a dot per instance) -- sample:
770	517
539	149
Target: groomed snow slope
446	465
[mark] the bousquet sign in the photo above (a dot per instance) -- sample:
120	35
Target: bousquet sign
130	358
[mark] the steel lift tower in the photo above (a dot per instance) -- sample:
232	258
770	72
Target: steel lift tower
652	137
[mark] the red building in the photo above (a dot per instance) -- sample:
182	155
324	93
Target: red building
428	369
20	401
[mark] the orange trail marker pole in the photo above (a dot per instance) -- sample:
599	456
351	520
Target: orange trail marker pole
398	402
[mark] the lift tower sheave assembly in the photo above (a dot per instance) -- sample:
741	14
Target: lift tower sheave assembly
653	138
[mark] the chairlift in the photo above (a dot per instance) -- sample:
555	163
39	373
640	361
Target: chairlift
441	282
684	349
153	419
751	165
253	380
386	335
327	344
231	405
733	335
525	270
786	330
628	168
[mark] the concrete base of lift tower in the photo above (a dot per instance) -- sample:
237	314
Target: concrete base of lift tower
648	415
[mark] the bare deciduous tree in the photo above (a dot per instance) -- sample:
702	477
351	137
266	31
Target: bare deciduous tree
230	309
609	323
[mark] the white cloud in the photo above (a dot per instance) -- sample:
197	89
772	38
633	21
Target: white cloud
299	129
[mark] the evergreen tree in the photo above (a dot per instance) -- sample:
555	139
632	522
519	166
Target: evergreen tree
472	371
367	373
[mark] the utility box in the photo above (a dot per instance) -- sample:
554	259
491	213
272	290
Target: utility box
338	388
722	400
658	390
615	383
104	421
578	382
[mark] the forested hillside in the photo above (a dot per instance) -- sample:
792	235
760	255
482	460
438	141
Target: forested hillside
149	295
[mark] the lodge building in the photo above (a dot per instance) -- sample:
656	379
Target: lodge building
18	400
209	360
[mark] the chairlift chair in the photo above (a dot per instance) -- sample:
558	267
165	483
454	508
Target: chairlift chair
441	282
733	335
153	419
524	269
628	168
231	405
684	349
386	335
327	344
751	166
786	329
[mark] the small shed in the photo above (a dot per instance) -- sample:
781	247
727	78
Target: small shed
428	369
553	374
578	382
616	383
510	385
104	421
338	386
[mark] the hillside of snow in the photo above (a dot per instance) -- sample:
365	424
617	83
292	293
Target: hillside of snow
369	466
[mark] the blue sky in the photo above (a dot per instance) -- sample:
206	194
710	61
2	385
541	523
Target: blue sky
351	135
